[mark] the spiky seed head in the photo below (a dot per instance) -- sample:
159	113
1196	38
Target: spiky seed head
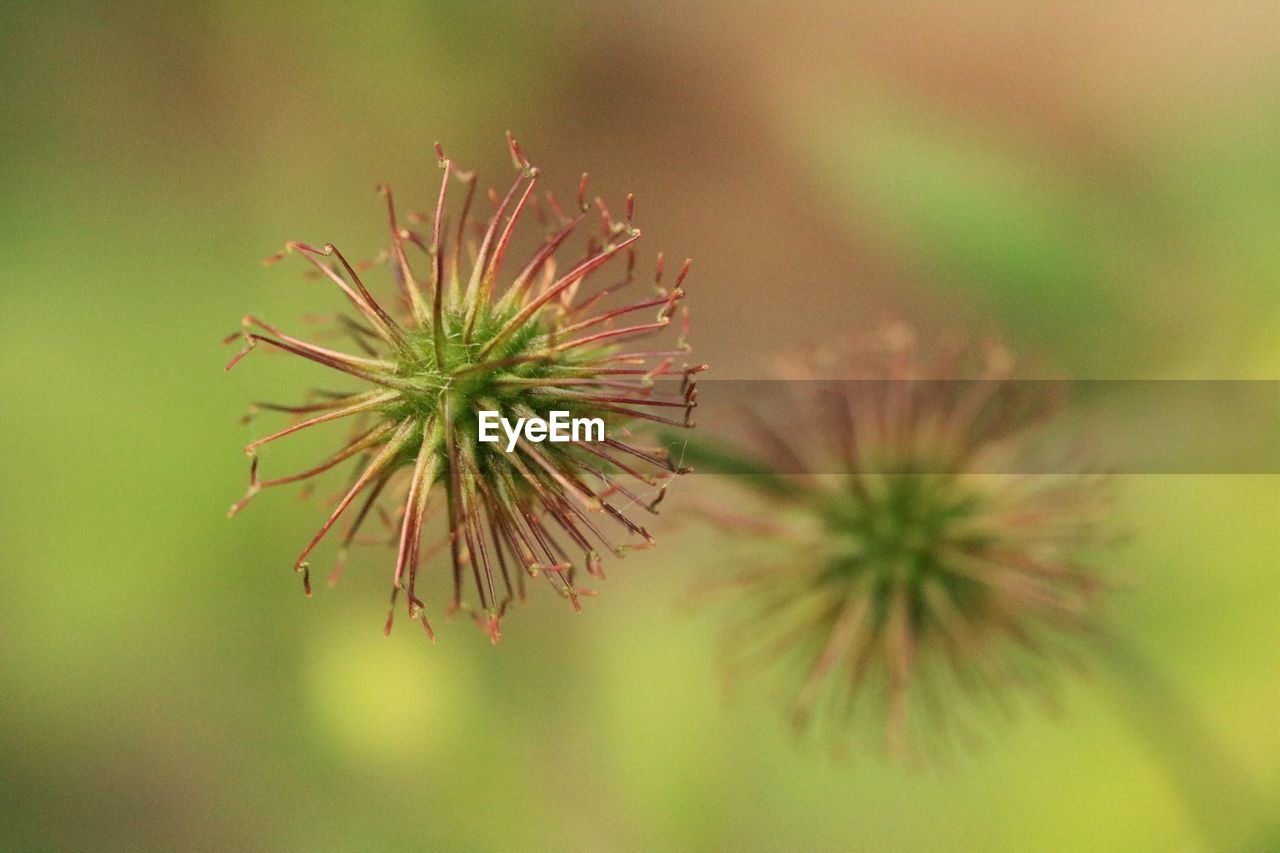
469	334
906	571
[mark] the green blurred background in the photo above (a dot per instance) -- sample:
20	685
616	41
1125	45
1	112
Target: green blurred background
1099	181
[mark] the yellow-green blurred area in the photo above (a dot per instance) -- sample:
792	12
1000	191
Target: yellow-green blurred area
1096	182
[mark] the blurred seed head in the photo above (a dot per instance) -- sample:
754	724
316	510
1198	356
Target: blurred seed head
894	575
467	331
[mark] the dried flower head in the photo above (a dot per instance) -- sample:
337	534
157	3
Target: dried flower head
467	338
906	570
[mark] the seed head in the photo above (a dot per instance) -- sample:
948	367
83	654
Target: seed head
466	336
907	571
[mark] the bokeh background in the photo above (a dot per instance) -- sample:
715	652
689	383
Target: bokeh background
1098	182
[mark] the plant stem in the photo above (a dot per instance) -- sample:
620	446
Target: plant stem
1219	793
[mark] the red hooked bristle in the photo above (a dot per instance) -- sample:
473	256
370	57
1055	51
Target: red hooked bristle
684	271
